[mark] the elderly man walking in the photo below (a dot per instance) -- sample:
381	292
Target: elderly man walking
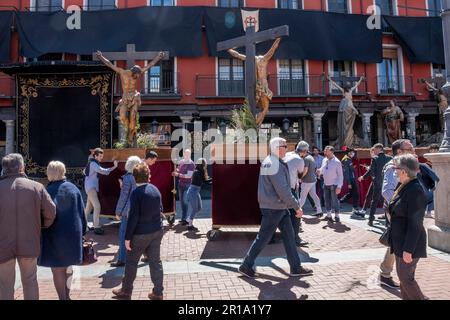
25	208
275	199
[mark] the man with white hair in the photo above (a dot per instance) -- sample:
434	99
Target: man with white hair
25	208
275	199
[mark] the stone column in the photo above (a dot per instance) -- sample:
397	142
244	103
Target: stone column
366	127
122	132
411	126
439	234
10	136
317	120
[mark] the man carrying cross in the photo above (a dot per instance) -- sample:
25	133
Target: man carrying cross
263	93
131	99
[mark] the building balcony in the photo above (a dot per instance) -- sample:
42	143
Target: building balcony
155	86
395	85
7	87
211	86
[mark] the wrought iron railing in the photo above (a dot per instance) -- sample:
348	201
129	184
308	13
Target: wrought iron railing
394	85
166	84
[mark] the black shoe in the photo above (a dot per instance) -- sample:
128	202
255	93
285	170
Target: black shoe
327	218
99	231
183	222
301	272
192	228
388	282
117	264
301	243
318	215
370	223
249	273
337	219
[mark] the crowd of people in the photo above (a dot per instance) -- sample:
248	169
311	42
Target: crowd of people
46	226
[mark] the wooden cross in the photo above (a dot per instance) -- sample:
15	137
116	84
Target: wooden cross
249	41
345	80
131	55
438	81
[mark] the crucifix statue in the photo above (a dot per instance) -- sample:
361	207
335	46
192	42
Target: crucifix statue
347	112
256	86
131	100
435	85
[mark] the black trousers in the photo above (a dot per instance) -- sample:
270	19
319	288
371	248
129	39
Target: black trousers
376	198
354	194
409	288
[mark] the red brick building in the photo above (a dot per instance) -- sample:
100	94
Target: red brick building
182	89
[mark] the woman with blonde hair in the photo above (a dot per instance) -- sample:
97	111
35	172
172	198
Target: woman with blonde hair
193	198
123	207
62	242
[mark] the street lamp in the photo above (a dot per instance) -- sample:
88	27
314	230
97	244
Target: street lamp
223	127
286	124
155	126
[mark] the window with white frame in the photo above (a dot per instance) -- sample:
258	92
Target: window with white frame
340	69
48	5
389	78
386	6
162	3
161	78
100	4
434	8
291	76
339	6
439	69
230	3
290	4
231	77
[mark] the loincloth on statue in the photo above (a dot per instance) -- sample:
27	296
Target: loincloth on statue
262	90
129	100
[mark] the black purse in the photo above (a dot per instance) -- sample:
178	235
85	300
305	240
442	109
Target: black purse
89	255
385	237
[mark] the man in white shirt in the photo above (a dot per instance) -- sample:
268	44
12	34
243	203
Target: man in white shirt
331	171
93	169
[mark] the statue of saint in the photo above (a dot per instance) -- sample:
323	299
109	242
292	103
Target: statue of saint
346	114
393	116
263	93
131	98
442	101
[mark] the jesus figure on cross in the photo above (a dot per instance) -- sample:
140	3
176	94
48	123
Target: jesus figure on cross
131	99
263	93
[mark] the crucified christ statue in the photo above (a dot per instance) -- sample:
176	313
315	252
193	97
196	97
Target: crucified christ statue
263	93
346	114
442	100
131	98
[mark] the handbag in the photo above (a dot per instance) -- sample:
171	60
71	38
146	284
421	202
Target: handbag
89	255
384	239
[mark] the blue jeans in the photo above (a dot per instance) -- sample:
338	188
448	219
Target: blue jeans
331	199
122	256
271	220
194	201
182	188
430	200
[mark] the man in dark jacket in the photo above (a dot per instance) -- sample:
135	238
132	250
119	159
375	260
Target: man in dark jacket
25	208
408	239
350	178
376	171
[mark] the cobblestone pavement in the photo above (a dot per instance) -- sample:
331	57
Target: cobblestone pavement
345	259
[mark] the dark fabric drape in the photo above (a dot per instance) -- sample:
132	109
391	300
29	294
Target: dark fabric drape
173	29
312	34
420	37
5	34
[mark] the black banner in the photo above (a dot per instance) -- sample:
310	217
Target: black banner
5	34
61	117
173	29
313	35
420	37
